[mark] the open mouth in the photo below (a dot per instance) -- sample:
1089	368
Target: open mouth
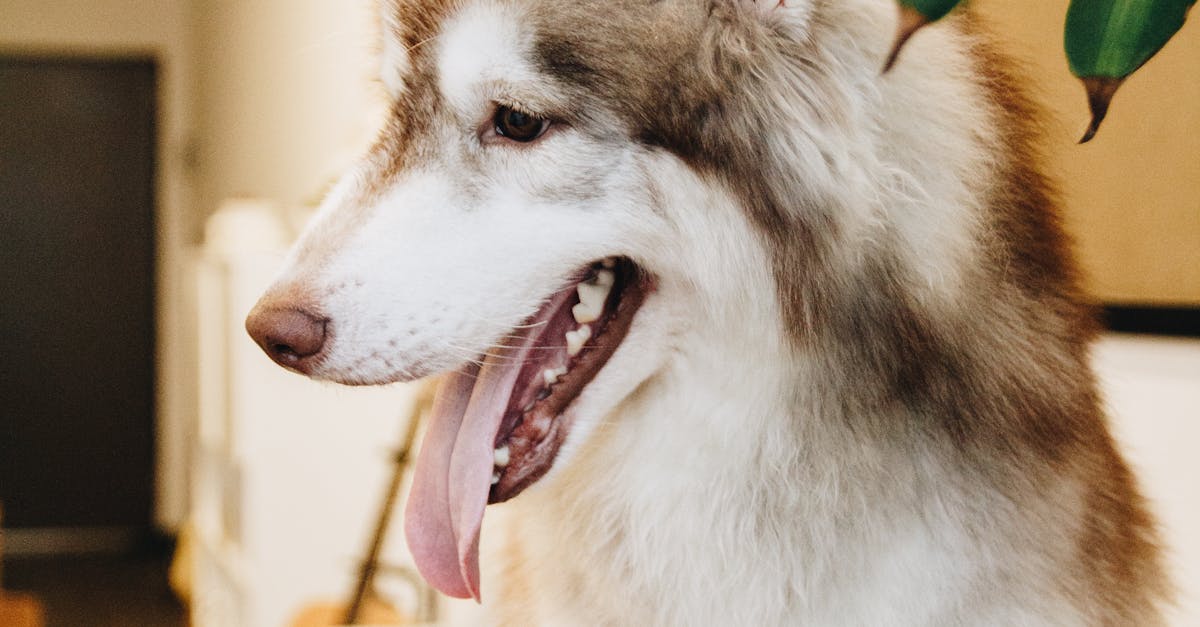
577	332
497	426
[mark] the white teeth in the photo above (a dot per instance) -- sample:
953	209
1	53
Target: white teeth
592	295
604	278
586	312
495	478
552	375
503	456
577	338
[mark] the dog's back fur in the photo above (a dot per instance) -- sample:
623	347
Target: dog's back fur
861	394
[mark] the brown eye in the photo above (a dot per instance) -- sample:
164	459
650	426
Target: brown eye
519	126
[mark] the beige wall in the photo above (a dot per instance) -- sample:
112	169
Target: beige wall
158	28
286	95
1133	193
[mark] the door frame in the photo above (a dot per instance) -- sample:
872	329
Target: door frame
49	541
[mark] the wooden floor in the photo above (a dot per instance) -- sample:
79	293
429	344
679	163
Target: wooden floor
102	591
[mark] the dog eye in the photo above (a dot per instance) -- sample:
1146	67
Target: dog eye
517	125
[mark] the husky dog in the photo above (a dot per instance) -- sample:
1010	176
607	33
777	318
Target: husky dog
749	332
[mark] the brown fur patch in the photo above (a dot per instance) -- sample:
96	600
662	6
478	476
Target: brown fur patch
1120	574
418	21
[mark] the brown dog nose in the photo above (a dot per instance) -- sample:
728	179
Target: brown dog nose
288	336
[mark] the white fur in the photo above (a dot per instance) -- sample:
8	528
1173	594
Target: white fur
481	45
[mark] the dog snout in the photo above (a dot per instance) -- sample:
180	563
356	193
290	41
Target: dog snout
292	336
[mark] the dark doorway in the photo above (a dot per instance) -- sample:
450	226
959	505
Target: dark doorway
77	154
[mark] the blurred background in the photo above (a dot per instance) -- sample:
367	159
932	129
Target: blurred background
157	157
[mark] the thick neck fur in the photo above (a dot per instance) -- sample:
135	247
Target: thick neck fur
730	490
914	440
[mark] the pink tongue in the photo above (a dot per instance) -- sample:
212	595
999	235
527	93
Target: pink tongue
453	474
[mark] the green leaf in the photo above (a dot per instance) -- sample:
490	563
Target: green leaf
933	10
1107	40
914	15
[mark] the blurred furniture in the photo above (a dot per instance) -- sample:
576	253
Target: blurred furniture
367	606
1151	386
20	610
286	472
333	614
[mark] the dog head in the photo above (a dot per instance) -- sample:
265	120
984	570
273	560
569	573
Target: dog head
526	142
563	193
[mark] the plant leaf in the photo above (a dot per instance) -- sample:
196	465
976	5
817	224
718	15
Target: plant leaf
1107	40
915	14
933	10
